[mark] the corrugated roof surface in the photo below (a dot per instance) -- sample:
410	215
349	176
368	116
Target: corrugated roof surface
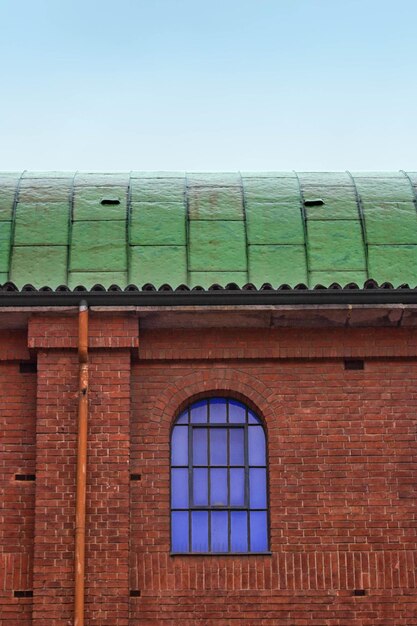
199	229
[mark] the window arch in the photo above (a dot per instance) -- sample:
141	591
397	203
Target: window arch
218	479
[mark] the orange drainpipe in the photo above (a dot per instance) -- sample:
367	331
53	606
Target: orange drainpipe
81	465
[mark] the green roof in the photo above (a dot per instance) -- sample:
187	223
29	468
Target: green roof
203	228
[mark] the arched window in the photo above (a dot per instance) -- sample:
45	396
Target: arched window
218	480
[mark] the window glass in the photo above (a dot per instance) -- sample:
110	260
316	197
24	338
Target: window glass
199	436
237	446
198	412
219	531
218	480
256	438
179	446
179	488
237	412
199	531
180	531
218	446
200	486
218	410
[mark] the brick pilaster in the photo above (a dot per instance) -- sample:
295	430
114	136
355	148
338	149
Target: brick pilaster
107	535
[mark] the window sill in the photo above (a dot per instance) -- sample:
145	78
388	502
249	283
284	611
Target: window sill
220	554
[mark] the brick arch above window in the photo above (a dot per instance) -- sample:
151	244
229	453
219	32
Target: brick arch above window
228	382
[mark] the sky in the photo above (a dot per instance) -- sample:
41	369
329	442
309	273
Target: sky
205	85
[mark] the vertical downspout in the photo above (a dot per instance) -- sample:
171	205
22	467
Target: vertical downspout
80	501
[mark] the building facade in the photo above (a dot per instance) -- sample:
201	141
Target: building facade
242	350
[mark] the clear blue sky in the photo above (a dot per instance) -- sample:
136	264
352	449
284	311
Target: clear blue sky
208	84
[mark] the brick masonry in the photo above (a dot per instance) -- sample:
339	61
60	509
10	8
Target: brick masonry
342	476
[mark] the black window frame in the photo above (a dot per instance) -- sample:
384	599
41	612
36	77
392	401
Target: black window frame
190	467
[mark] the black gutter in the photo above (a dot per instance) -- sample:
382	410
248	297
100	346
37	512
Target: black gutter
221	297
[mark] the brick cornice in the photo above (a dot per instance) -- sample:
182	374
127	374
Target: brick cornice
109	332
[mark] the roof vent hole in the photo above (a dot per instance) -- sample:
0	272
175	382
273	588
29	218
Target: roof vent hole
314	202
110	201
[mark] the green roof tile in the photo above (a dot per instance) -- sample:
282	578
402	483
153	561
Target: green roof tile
277	265
336	191
394	264
44	190
335	245
337	179
215	203
89	279
42	223
94	202
267	175
102	178
383	188
5	237
158	265
391	222
174	227
158	223
274	222
206	279
412	177
215	179
217	245
46	175
157	174
257	189
7	198
98	247
342	278
339	203
39	265
158	190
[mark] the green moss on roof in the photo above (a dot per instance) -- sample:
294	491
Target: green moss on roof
203	228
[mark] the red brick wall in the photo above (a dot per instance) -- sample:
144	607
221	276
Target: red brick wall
17	456
342	461
107	535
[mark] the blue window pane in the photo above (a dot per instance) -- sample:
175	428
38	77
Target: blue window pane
183	418
252	418
256	445
199	531
179	488
198	412
179	531
218	408
219	531
179	445
237	412
200	487
218	446
218	495
257	488
237	448
239	531
258	531
200	446
237	487
229	497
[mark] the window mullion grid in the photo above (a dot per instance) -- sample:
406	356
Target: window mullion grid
208	477
227	508
247	490
190	479
228	479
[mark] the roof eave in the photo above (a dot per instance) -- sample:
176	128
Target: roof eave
148	296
